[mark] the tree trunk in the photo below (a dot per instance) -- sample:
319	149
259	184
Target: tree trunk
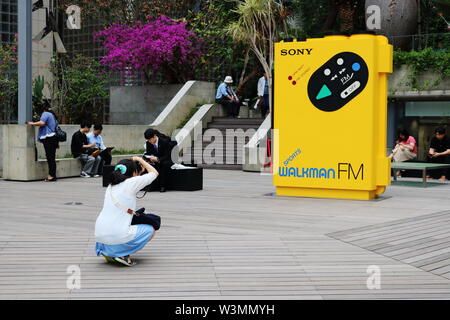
332	15
244	69
347	15
245	80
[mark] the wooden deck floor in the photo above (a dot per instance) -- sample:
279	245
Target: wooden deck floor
232	240
423	242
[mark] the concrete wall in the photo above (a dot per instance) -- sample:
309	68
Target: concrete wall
42	50
131	137
120	137
19	157
139	105
400	85
191	94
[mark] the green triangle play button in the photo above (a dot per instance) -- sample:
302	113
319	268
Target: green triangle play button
324	92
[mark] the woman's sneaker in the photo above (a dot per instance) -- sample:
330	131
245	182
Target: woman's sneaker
126	261
109	259
84	175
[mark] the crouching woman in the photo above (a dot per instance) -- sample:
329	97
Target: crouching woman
117	238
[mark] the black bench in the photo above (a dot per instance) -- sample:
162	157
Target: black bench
178	180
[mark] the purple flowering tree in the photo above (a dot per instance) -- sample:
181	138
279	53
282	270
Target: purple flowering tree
162	44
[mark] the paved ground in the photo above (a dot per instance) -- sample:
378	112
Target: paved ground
232	240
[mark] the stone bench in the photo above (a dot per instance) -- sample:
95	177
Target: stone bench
65	168
19	157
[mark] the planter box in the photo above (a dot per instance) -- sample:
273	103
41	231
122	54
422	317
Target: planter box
429	84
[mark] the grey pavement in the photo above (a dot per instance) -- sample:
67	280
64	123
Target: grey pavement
233	240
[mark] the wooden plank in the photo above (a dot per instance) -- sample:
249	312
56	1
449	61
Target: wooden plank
227	246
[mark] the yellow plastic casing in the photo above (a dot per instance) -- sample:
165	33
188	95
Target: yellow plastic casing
330	154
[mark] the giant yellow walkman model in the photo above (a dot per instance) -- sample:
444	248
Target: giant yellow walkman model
330	117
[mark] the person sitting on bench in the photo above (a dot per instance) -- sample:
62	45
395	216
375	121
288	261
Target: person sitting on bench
159	154
439	153
105	154
227	97
406	147
80	150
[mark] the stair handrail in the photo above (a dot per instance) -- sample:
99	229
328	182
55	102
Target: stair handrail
251	149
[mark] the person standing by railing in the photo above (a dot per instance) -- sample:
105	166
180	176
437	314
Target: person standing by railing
47	136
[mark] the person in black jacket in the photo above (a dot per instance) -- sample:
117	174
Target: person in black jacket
158	153
80	150
440	153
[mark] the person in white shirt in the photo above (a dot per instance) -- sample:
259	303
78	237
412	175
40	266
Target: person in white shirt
115	235
263	95
95	137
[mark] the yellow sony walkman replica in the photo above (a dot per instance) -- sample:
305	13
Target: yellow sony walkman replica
330	117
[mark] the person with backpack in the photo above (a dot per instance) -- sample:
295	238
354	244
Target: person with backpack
47	136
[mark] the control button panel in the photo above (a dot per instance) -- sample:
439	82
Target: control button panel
338	81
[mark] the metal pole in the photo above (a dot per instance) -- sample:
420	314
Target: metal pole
25	61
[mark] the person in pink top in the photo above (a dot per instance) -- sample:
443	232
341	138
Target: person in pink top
406	147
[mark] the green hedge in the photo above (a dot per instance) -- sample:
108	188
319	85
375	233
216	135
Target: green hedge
426	60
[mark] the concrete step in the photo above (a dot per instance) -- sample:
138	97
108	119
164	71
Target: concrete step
203	144
224	120
224	134
224	126
221	166
219	160
236	153
222	159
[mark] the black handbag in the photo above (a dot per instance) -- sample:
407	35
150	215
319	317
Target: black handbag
60	134
147	218
139	217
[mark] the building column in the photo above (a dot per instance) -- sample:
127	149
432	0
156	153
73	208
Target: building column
25	61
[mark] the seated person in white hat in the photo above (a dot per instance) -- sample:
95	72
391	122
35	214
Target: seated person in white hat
228	98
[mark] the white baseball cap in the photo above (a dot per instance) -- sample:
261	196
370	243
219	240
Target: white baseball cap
228	79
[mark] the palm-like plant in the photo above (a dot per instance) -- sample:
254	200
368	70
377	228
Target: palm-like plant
259	24
38	90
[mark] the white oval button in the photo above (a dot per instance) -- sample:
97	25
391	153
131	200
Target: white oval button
354	86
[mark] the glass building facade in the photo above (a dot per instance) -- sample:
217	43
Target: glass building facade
8	20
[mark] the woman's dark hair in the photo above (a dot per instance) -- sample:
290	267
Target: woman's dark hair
46	106
440	130
117	176
403	132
